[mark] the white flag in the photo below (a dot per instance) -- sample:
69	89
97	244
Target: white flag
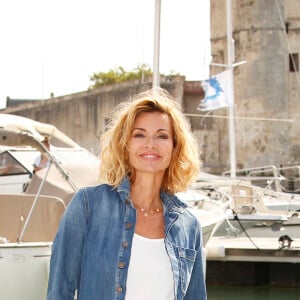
217	92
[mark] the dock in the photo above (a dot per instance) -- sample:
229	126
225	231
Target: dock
255	261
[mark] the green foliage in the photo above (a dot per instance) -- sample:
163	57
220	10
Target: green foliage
118	75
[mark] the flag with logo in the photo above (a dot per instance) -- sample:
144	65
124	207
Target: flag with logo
217	91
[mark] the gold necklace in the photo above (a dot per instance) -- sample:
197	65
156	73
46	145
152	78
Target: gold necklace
147	211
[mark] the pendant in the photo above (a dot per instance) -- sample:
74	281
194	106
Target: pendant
144	212
147	211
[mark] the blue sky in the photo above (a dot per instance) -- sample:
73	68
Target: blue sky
54	46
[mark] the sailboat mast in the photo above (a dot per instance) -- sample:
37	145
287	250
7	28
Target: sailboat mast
156	76
231	58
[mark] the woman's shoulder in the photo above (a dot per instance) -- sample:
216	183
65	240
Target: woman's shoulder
186	209
97	189
176	203
92	196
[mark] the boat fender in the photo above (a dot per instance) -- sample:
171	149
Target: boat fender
215	251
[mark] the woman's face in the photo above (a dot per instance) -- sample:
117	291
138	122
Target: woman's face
150	144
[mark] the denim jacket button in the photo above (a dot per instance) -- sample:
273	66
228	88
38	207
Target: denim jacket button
119	289
127	201
125	245
121	264
128	225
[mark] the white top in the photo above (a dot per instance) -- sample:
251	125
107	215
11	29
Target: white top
37	162
150	274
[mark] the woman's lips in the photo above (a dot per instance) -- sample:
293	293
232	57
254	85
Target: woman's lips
150	156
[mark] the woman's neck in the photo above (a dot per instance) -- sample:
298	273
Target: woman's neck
145	192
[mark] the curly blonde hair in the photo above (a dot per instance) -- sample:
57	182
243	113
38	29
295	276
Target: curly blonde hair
184	165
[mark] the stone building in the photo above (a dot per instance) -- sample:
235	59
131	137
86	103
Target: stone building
266	89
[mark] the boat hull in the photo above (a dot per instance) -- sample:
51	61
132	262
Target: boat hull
24	268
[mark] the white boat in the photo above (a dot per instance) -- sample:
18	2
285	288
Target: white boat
248	214
280	185
31	205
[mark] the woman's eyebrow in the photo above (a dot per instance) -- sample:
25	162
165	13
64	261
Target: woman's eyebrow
143	129
138	128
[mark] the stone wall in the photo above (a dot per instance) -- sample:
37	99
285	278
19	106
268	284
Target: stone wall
82	115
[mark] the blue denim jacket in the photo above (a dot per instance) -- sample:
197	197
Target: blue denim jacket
91	250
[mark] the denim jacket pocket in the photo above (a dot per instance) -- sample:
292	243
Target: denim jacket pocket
186	262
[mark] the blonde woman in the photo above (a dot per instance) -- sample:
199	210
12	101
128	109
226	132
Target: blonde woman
130	237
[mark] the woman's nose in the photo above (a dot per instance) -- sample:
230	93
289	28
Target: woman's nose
150	142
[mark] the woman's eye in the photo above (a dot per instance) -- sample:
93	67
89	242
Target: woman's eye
163	137
138	135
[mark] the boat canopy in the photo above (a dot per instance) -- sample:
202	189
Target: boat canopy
21	131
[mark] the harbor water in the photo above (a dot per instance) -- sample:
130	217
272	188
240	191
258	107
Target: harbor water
251	293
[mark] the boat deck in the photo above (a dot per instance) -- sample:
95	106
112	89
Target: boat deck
255	249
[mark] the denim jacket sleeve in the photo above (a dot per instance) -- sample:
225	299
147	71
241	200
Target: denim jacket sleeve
197	288
65	273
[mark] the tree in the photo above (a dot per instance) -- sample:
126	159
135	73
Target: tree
119	75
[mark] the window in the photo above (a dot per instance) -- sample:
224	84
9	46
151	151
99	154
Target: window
10	166
294	62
